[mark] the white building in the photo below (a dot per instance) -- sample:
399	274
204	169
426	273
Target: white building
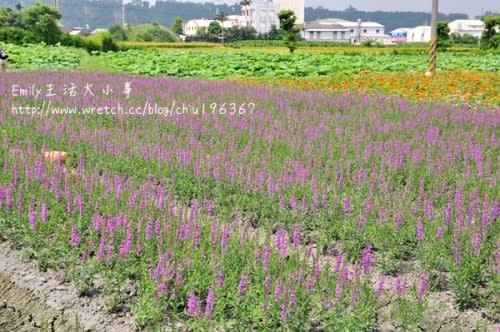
326	31
467	27
345	31
420	34
192	26
261	15
298	7
234	21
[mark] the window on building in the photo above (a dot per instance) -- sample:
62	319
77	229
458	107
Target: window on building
342	35
311	34
352	30
364	30
378	30
335	35
318	35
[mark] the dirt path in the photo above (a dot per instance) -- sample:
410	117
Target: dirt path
31	300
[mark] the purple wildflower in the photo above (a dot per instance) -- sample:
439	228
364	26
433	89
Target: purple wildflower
267	284
75	238
367	257
338	263
422	286
380	287
45	212
296	236
420	231
284	312
338	291
347	204
210	303
399	218
361	223
278	290
282	243
458	257
32	215
225	237
439	233
159	291
220	279
242	286
477	243
193	305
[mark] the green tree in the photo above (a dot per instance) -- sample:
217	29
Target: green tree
11	18
151	33
443	32
214	29
274	33
118	32
289	31
221	17
464	39
202	32
42	22
177	26
490	38
240	33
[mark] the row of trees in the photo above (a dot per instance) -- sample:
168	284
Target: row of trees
490	38
145	32
39	23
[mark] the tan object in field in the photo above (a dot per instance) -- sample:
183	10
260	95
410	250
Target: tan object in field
55	156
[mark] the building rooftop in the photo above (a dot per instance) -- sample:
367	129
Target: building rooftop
316	25
350	24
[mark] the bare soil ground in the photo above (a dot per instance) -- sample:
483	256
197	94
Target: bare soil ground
32	300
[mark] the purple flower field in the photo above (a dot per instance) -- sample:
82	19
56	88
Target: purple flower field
254	208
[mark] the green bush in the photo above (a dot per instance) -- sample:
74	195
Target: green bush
100	42
152	33
81	42
12	35
105	41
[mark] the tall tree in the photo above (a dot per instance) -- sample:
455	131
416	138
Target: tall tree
490	38
177	26
214	29
443	34
43	23
289	31
221	17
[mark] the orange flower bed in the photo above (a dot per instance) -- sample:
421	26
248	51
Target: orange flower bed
477	88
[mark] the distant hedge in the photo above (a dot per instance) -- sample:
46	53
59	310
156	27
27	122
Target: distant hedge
100	42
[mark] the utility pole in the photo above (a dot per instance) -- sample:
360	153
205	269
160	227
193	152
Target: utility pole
56	4
359	31
433	45
123	14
